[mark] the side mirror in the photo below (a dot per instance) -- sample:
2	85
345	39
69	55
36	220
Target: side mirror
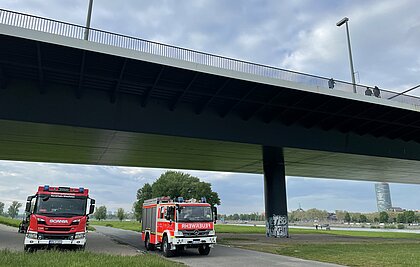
215	214
169	212
28	206
28	203
92	206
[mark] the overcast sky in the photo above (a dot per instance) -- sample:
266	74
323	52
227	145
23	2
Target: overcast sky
298	35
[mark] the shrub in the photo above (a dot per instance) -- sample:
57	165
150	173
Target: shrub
401	226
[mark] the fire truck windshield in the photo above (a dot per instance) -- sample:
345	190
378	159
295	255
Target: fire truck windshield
194	214
60	206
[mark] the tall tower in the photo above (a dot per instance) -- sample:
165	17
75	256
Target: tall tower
383	197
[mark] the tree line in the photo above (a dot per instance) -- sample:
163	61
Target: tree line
354	217
312	215
101	214
255	216
12	211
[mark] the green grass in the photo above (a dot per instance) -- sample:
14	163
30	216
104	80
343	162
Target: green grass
352	254
9	221
131	225
375	249
236	229
357	233
56	258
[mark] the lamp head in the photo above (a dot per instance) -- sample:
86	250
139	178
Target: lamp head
341	22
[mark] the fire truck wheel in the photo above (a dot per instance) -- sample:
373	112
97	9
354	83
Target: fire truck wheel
204	250
166	247
147	244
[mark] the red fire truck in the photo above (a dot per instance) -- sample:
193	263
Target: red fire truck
57	217
174	225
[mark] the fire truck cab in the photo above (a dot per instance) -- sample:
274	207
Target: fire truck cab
57	216
174	225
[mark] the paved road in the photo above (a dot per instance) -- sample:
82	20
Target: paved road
124	242
219	256
97	242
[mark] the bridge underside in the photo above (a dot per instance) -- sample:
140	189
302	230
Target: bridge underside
23	141
71	101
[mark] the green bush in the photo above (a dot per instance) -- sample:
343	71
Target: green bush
390	226
109	225
10	221
401	226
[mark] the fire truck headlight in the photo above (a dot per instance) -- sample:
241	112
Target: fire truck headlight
79	235
178	233
32	235
212	232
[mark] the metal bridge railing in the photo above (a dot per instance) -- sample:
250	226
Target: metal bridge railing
108	38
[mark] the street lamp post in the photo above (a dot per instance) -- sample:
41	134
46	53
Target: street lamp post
341	22
89	15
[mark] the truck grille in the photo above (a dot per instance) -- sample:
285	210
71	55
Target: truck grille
57	236
194	233
57	229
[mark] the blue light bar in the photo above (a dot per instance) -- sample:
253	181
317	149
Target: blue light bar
46	187
81	189
203	200
180	199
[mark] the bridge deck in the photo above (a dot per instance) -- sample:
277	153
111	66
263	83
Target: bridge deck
132	102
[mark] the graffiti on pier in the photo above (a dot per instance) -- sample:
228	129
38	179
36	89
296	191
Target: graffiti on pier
277	226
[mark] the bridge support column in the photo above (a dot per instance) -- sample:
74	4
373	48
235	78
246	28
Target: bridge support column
275	192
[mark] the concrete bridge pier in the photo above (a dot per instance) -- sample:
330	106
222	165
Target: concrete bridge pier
275	192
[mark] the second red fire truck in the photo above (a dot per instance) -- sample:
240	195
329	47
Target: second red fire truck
174	225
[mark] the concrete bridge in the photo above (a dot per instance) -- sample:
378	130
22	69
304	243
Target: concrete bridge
119	100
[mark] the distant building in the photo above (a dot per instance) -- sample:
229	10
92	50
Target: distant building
383	197
332	217
397	209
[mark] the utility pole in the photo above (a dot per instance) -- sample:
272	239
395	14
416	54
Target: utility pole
89	16
341	22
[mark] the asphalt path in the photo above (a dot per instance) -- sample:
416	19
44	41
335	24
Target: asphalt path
219	256
96	242
124	242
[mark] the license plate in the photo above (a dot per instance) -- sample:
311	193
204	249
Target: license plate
196	242
55	242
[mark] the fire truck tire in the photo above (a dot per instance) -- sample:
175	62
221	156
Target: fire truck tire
147	244
204	249
166	248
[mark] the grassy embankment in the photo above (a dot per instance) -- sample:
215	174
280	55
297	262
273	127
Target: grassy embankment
56	258
372	249
9	221
126	225
234	229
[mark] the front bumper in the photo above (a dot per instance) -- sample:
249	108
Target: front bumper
55	242
210	240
